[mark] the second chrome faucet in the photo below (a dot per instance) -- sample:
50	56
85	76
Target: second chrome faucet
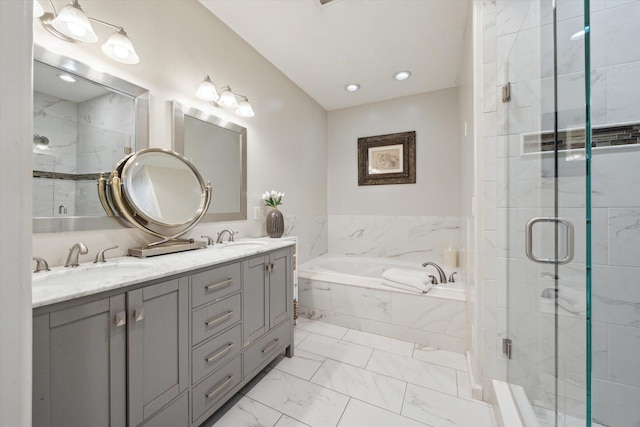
75	251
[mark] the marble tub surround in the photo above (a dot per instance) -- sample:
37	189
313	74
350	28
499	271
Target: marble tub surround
408	238
422	318
311	231
317	388
134	270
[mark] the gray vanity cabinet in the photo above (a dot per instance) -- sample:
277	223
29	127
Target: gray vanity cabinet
280	290
167	354
94	360
255	297
79	365
158	341
267	298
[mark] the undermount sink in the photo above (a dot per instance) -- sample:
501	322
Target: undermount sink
87	273
243	244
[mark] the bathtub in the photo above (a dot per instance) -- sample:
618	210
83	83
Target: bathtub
348	291
367	272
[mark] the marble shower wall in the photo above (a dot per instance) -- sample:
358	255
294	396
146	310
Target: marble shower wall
517	46
57	120
84	138
105	129
409	238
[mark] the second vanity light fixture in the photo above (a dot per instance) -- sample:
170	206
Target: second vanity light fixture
225	99
73	25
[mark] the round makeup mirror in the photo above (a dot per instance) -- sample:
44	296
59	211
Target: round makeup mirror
160	192
163	187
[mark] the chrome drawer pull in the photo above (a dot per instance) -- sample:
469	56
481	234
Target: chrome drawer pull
139	314
218	389
218	285
219	318
271	346
121	319
219	353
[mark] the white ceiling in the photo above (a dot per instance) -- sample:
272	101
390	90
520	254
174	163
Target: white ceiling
322	48
46	80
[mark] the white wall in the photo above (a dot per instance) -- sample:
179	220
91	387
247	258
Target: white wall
15	212
434	117
179	42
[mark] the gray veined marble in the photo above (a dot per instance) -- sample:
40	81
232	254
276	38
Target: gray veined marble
299	399
370	387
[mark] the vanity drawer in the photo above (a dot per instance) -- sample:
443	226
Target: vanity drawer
209	391
208	321
213	354
215	283
266	347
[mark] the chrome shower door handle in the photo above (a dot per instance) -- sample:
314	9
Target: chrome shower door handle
528	245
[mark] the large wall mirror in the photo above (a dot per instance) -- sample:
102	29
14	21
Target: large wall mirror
84	122
219	150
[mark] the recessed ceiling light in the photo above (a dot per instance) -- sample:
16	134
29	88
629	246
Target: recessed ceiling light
67	78
402	75
352	87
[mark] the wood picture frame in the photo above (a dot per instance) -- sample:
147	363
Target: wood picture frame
387	159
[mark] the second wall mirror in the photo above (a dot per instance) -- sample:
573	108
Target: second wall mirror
219	150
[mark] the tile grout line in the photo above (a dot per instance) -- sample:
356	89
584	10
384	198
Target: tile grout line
343	411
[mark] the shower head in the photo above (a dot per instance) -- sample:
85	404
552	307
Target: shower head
40	141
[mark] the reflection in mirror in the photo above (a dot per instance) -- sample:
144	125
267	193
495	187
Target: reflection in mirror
163	188
219	150
84	123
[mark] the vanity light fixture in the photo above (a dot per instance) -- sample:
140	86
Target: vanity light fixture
225	99
207	90
73	25
352	87
402	75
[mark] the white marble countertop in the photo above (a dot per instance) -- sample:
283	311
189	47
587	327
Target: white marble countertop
66	283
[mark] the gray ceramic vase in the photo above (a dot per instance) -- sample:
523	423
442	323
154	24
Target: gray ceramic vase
275	223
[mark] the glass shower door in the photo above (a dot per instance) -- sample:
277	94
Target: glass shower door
546	213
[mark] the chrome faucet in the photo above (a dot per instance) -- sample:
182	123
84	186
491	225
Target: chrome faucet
100	255
443	277
222	233
209	240
74	252
41	264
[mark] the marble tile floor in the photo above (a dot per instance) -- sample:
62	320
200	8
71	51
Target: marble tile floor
341	377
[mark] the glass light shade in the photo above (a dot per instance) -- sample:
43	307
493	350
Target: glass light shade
207	90
228	99
73	23
244	109
38	11
352	87
119	48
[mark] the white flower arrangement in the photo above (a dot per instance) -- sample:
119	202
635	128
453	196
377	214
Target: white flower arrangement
273	198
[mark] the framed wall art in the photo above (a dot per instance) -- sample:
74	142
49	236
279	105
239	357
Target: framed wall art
387	159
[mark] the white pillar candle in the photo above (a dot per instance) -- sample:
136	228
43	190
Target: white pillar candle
450	258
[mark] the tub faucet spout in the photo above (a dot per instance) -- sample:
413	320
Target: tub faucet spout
443	277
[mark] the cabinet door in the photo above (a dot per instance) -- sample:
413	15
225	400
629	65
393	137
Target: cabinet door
280	298
79	366
255	297
158	346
